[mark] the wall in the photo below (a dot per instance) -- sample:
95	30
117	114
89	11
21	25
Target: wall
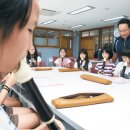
47	53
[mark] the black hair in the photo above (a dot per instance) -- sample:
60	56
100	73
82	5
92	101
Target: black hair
13	12
84	51
63	49
107	49
125	51
124	21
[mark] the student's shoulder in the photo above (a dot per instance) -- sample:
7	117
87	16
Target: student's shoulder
120	64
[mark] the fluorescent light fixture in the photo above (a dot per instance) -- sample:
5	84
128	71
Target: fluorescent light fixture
48	22
76	26
81	10
115	18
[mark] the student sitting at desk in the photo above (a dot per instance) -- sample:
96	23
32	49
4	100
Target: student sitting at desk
106	67
83	62
63	61
33	59
15	39
123	67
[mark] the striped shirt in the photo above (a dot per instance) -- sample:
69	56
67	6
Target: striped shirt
108	68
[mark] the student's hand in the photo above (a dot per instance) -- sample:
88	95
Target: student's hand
44	126
62	65
60	125
9	80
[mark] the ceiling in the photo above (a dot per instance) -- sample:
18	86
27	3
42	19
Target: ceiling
103	9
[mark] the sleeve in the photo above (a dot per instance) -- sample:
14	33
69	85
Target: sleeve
68	60
89	65
97	67
57	61
5	123
39	59
115	45
118	69
75	65
113	69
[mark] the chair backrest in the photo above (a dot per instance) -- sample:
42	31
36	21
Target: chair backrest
73	60
42	64
94	62
54	58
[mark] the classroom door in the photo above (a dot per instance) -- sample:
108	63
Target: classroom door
89	44
67	43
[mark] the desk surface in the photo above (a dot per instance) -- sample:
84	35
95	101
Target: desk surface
107	116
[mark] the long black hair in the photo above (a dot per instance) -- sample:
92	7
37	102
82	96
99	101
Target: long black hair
63	49
13	12
84	51
35	55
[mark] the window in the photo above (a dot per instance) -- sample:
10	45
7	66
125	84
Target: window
53	38
46	37
107	36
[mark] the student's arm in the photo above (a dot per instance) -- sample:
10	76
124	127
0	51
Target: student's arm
67	63
10	81
90	66
114	58
57	62
117	70
75	65
97	68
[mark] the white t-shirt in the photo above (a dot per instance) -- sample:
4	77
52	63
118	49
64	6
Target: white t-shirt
119	68
5	123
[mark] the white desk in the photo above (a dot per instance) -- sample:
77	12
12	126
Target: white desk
107	116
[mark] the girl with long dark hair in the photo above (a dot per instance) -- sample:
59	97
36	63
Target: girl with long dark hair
83	62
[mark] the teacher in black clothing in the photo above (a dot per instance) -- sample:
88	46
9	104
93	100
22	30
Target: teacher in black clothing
123	40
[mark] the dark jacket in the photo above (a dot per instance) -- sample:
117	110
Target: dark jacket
120	43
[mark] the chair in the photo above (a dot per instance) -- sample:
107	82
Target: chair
72	62
42	64
54	58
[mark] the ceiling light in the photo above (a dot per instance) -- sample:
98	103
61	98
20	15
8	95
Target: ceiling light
48	22
76	26
81	10
115	18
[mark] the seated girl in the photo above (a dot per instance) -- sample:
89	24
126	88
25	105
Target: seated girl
33	59
83	62
62	61
123	67
106	66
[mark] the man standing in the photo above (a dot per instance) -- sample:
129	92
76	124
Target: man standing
123	40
